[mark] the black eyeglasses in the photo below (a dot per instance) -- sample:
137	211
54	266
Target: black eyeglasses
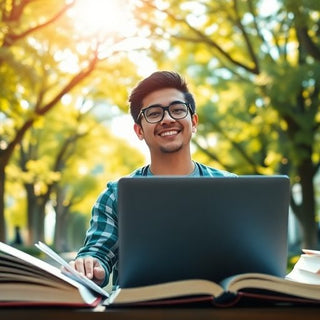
177	110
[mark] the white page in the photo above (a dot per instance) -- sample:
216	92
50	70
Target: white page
70	272
309	262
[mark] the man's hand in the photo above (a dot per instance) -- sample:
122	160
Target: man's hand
89	267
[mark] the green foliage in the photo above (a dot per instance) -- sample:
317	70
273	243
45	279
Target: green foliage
254	72
254	69
69	150
53	80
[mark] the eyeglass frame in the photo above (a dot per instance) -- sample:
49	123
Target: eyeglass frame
165	108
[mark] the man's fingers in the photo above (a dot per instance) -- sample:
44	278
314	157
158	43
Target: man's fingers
99	273
88	266
80	265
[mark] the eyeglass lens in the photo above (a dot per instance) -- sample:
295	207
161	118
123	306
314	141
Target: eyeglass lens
156	113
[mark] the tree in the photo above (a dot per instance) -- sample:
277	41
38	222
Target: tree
12	14
77	193
42	160
36	40
257	74
65	161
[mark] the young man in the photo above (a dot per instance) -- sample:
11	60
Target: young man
164	117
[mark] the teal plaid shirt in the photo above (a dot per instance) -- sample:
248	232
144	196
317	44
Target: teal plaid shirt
102	236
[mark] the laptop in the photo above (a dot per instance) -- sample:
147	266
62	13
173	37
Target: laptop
176	228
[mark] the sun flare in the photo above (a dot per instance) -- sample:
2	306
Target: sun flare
109	26
94	17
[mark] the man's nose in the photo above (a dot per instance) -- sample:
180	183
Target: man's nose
167	117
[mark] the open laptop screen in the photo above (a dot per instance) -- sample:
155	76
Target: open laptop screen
174	228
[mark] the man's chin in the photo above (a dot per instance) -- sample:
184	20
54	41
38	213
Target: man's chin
170	149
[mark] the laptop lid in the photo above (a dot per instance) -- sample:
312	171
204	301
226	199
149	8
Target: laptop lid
174	228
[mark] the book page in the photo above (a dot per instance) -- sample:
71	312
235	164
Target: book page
306	270
309	262
168	290
304	276
70	272
37	263
21	270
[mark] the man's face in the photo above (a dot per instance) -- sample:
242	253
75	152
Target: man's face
168	135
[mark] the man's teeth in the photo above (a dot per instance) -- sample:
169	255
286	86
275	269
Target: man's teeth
169	133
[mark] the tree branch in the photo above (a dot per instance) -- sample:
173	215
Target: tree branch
236	146
255	23
307	43
211	155
6	154
10	38
72	83
246	37
201	38
16	11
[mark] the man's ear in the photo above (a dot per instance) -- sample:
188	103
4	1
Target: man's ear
195	120
139	131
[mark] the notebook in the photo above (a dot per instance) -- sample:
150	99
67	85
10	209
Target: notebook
175	228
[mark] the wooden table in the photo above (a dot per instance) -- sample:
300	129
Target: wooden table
254	313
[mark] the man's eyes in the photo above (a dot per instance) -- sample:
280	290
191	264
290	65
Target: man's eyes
154	113
178	108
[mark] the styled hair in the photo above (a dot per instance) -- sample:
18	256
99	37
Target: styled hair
156	81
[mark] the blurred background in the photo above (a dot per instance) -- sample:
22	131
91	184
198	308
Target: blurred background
67	67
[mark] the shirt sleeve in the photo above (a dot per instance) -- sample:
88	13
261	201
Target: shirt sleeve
101	240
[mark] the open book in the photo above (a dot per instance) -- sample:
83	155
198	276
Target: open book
26	280
302	285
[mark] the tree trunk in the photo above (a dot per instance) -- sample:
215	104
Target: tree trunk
60	238
60	234
36	214
306	213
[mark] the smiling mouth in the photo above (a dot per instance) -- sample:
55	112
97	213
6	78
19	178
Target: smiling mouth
169	133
